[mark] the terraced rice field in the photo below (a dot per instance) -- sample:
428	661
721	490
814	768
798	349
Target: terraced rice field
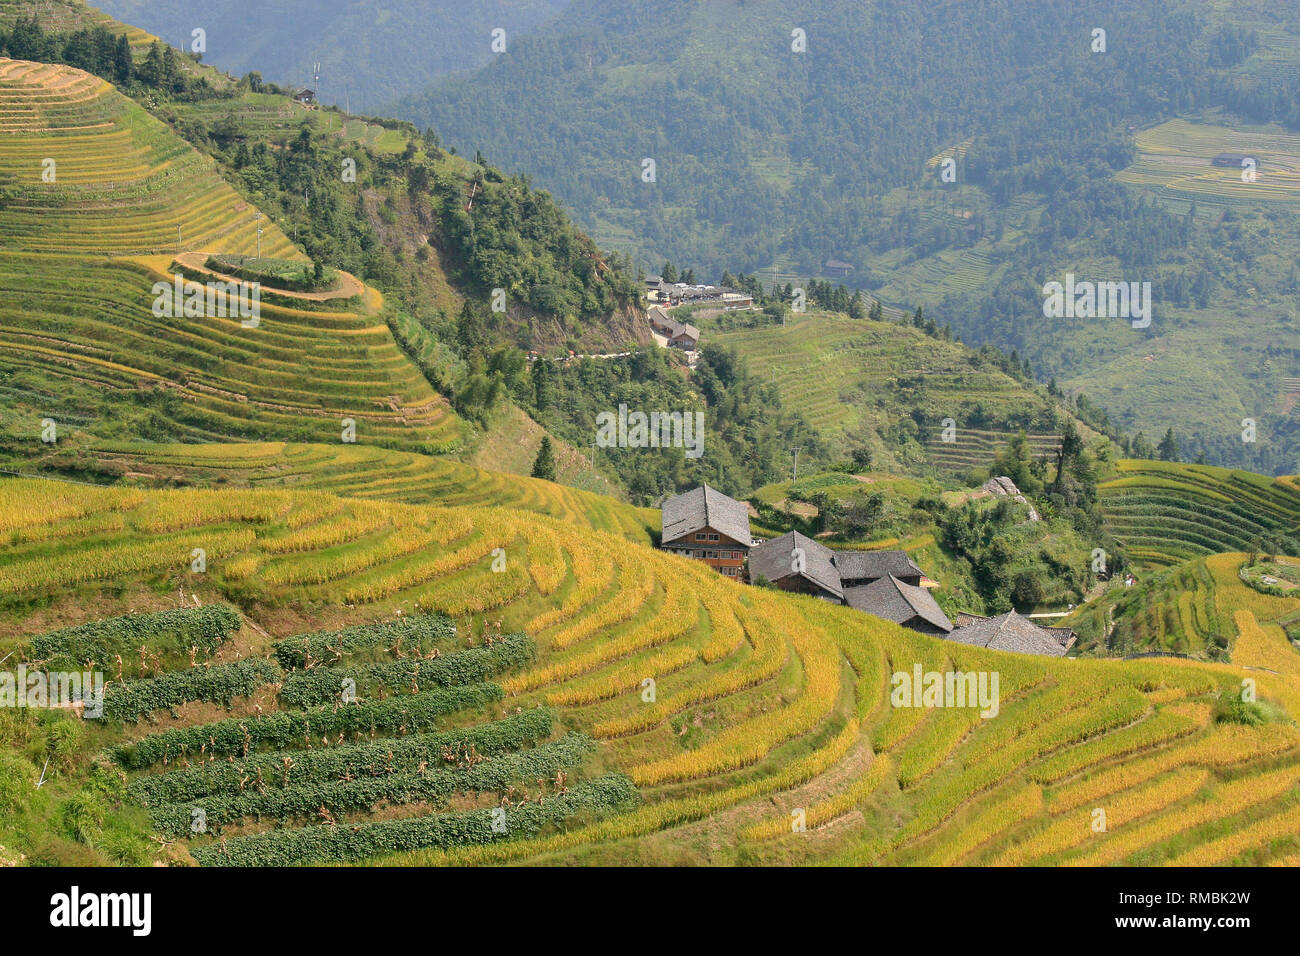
267	115
762	704
1200	608
1174	160
81	341
837	372
64	17
359	471
123	182
1165	513
975	447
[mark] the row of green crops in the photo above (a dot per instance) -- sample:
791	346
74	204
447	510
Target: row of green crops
418	632
241	736
219	683
170	634
360	794
333	844
304	688
358	760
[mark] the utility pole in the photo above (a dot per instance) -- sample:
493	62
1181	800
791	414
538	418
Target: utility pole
593	456
259	235
796	461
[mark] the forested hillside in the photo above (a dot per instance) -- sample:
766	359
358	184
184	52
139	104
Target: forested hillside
369	53
767	158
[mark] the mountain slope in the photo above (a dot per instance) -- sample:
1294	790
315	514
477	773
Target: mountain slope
771	159
764	702
97	196
368	53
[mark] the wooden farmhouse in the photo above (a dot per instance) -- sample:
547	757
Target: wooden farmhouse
907	604
797	563
883	583
706	525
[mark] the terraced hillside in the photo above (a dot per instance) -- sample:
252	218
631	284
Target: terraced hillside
734	712
358	471
123	182
64	16
842	373
1175	158
82	244
1200	608
1165	512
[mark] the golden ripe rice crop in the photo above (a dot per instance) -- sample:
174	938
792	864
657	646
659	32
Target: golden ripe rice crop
759	694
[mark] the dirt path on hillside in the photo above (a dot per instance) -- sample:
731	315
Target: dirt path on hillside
349	285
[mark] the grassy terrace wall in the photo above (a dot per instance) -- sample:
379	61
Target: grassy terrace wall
762	702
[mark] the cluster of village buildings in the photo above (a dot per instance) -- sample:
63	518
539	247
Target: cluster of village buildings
706	525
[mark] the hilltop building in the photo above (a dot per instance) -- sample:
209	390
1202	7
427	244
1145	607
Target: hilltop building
1235	160
706	525
680	335
679	293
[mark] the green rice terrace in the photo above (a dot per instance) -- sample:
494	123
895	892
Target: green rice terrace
83	342
289	274
1203	608
1175	157
1165	513
843	373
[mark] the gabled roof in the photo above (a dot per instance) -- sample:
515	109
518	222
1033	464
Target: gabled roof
895	601
671	327
1011	632
705	507
775	560
854	565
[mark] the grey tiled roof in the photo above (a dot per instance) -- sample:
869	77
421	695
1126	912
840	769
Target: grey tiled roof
896	601
774	560
705	507
854	565
1011	632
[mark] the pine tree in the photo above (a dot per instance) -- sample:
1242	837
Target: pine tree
122	61
544	466
541	384
1168	447
857	309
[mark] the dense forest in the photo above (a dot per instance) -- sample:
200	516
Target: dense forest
365	53
771	156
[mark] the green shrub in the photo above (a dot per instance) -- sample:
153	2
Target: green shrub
304	688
